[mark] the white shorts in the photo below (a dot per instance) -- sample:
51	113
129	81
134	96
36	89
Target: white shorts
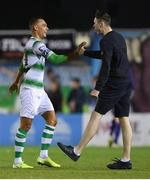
34	102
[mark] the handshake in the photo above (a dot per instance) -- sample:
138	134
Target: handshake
80	49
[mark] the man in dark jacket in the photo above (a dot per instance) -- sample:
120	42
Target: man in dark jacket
113	89
76	98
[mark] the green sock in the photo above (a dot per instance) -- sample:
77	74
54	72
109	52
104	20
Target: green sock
20	140
46	140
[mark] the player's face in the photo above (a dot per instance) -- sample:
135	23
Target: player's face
41	28
98	26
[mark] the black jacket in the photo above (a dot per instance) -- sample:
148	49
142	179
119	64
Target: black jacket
114	58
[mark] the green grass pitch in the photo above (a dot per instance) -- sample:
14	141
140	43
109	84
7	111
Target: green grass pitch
92	164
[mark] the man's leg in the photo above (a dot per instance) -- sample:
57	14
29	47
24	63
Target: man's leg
46	139
126	136
124	162
90	131
20	140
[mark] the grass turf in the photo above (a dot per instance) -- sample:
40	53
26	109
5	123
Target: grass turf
92	164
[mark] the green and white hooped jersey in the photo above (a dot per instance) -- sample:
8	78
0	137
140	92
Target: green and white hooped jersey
33	63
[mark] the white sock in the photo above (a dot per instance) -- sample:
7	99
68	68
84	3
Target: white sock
75	151
18	160
43	154
125	159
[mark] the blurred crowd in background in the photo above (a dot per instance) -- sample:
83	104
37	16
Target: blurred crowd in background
68	85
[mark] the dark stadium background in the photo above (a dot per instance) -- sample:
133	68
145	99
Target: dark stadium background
76	14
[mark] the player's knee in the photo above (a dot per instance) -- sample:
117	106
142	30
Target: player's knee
52	122
26	127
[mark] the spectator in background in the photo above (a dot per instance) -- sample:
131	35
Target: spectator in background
51	74
8	72
55	94
114	132
77	97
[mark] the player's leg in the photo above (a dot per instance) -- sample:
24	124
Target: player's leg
48	113
28	110
48	132
20	140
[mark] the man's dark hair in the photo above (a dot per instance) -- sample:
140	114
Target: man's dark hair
33	21
102	15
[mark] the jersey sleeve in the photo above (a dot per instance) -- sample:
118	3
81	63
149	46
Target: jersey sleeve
40	48
93	54
57	58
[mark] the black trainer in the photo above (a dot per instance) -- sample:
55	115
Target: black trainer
68	150
118	164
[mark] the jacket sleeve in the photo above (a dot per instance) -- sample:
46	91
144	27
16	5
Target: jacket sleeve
107	51
93	54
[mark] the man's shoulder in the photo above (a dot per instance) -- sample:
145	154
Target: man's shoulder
37	42
30	42
112	34
112	38
119	34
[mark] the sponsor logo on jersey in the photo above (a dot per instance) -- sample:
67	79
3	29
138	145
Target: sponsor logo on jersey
44	50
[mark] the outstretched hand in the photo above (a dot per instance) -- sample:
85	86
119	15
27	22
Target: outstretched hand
80	49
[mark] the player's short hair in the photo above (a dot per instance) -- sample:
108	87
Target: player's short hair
102	15
33	21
